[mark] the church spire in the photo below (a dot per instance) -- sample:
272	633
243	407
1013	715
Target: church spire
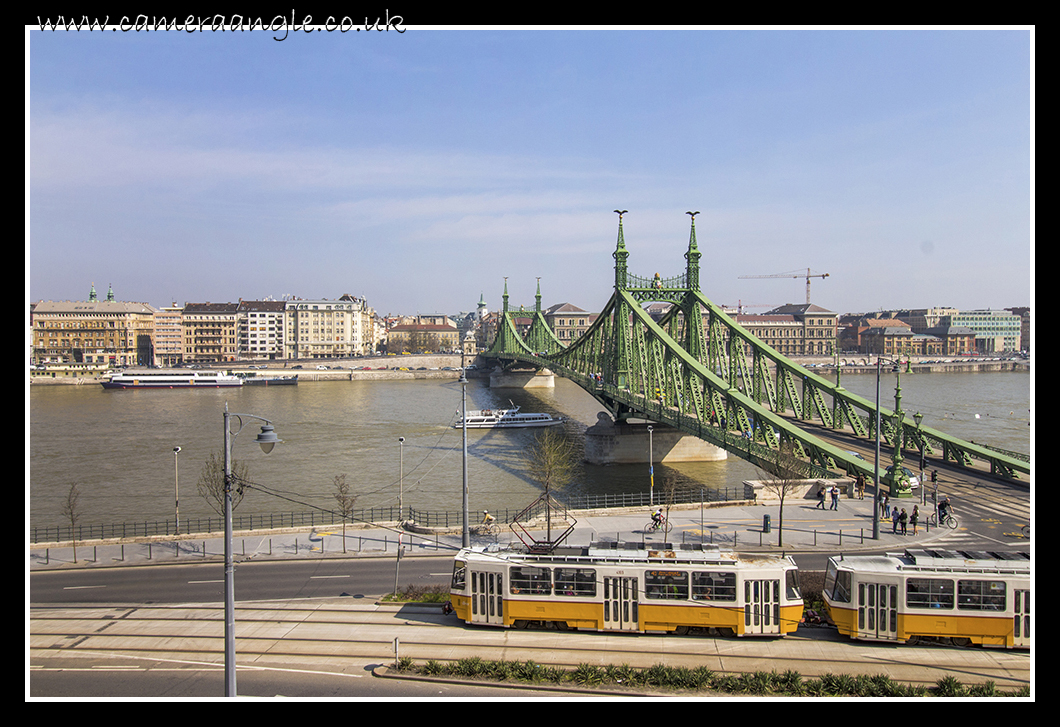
92	294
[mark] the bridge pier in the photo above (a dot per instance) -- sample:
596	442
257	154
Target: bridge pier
541	379
608	442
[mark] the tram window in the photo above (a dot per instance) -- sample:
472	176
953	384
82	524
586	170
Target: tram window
981	595
459	575
528	579
929	593
575	582
837	584
666	584
791	583
713	586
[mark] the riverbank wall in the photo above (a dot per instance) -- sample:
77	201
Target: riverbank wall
428	366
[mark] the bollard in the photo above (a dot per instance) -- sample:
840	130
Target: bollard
765	524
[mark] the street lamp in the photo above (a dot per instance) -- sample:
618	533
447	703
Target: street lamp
267	439
401	473
651	468
897	459
176	489
465	537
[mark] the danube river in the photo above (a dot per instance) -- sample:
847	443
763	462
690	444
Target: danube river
117	446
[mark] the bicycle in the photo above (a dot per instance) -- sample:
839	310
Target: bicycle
654	526
948	520
487	529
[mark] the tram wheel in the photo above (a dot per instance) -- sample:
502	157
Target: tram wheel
681	630
520	623
961	641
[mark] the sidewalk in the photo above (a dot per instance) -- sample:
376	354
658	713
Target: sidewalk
807	528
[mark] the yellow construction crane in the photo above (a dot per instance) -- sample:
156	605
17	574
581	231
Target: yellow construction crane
793	274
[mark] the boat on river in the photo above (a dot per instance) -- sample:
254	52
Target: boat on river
506	419
270	380
171	380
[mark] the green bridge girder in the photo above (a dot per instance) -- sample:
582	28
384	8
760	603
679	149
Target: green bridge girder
700	372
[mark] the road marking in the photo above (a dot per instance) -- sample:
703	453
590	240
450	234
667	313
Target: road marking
77	588
312	577
217	581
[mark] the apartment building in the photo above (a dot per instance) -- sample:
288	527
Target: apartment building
108	332
169	336
260	326
328	328
568	322
209	331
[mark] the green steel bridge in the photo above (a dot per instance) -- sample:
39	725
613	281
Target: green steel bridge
700	372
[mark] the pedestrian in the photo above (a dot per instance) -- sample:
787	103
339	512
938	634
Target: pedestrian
861	486
914	517
886	507
894	521
835	497
902	520
820	497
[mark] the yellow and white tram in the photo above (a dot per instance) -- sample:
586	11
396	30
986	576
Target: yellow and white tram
620	587
963	596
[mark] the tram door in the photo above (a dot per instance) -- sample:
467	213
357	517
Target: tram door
620	603
1021	618
761	606
487	597
877	605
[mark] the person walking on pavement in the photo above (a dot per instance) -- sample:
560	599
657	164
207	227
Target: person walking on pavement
902	520
914	517
894	521
835	497
861	486
820	497
886	505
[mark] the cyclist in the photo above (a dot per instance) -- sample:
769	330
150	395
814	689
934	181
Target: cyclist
487	519
657	517
945	509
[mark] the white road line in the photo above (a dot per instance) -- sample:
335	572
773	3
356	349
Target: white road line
77	588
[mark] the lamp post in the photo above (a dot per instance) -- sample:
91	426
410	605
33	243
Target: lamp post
918	418
897	459
176	489
401	475
465	538
651	469
267	439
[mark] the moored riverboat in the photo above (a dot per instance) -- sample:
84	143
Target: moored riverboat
171	380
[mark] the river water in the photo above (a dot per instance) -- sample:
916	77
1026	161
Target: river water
117	446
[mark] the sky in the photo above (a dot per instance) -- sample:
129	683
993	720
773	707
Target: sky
420	169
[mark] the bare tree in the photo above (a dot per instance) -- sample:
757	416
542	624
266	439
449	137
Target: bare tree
71	511
211	483
788	474
345	501
554	461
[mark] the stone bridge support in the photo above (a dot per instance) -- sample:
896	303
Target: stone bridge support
608	442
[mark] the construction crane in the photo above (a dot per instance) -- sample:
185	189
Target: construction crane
793	274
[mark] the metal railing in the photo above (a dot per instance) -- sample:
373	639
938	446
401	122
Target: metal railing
312	518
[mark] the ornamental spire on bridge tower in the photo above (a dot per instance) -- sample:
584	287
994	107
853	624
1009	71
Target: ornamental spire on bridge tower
692	313
692	257
620	255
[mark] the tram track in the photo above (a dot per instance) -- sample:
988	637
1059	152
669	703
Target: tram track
336	637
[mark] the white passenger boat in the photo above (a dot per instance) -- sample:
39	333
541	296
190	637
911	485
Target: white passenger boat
171	380
506	419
